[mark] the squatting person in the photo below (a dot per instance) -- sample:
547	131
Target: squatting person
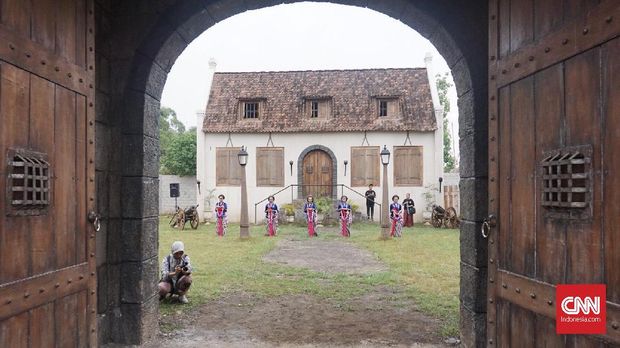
176	272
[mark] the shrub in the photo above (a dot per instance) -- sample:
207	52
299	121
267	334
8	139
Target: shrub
323	205
289	209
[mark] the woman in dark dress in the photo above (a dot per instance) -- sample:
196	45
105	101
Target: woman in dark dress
409	208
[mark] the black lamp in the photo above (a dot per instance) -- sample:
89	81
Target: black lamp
290	163
345	167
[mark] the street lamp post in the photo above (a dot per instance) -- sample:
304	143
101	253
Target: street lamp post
385	227
244	226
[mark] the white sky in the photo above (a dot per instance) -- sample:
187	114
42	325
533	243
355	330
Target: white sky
301	36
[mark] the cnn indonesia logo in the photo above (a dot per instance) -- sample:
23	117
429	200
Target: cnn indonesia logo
580	309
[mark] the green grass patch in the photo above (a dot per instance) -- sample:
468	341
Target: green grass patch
425	262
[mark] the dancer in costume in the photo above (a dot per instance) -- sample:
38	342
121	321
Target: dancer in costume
395	216
408	211
310	213
271	215
221	208
344	211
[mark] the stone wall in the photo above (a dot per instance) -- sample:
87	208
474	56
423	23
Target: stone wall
138	41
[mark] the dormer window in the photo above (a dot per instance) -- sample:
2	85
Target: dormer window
314	109
250	109
387	107
383	108
317	107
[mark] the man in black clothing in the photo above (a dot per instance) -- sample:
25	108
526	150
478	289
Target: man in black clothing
370	202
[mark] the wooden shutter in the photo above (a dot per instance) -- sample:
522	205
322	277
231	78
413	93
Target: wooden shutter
227	168
365	165
393	108
408	165
270	166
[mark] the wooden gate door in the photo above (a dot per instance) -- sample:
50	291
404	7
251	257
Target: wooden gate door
317	179
554	168
47	267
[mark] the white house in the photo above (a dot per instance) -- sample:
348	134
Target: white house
310	128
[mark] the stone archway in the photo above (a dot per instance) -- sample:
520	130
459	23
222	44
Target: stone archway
137	44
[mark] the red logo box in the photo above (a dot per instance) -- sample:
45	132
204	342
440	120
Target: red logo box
580	309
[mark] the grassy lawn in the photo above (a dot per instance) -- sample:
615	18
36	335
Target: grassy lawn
425	263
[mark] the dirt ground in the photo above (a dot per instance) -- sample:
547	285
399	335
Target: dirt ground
380	318
324	256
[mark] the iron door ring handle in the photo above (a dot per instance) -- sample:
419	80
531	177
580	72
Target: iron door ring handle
485	229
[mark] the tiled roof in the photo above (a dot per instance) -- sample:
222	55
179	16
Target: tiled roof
353	94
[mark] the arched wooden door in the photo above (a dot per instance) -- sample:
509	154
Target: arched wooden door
48	270
318	174
554	183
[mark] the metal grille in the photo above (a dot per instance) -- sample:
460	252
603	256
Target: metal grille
566	179
29	181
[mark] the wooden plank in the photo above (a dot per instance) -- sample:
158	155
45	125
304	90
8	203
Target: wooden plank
66	321
521	23
521	322
546	335
42	323
575	9
41	289
38	60
493	319
14	332
66	29
613	321
80	33
568	40
611	162
65	187
16	16
504	28
583	122
15	232
44	25
80	179
539	297
546	17
504	178
81	319
504	325
42	130
550	234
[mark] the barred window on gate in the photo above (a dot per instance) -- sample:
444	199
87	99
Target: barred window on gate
29	182
566	190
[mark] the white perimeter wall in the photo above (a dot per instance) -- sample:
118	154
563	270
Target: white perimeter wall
294	144
188	188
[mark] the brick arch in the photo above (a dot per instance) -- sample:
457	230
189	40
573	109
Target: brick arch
300	162
138	42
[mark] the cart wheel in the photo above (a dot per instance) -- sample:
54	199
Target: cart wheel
436	220
451	218
195	220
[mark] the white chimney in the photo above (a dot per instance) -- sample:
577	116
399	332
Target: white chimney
201	142
428	61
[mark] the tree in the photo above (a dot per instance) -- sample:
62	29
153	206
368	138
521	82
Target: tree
180	157
177	146
449	162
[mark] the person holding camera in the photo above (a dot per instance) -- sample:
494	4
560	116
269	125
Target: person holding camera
176	271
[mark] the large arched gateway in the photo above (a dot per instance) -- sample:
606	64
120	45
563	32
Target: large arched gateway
538	89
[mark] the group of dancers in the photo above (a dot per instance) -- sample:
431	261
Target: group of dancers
344	210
